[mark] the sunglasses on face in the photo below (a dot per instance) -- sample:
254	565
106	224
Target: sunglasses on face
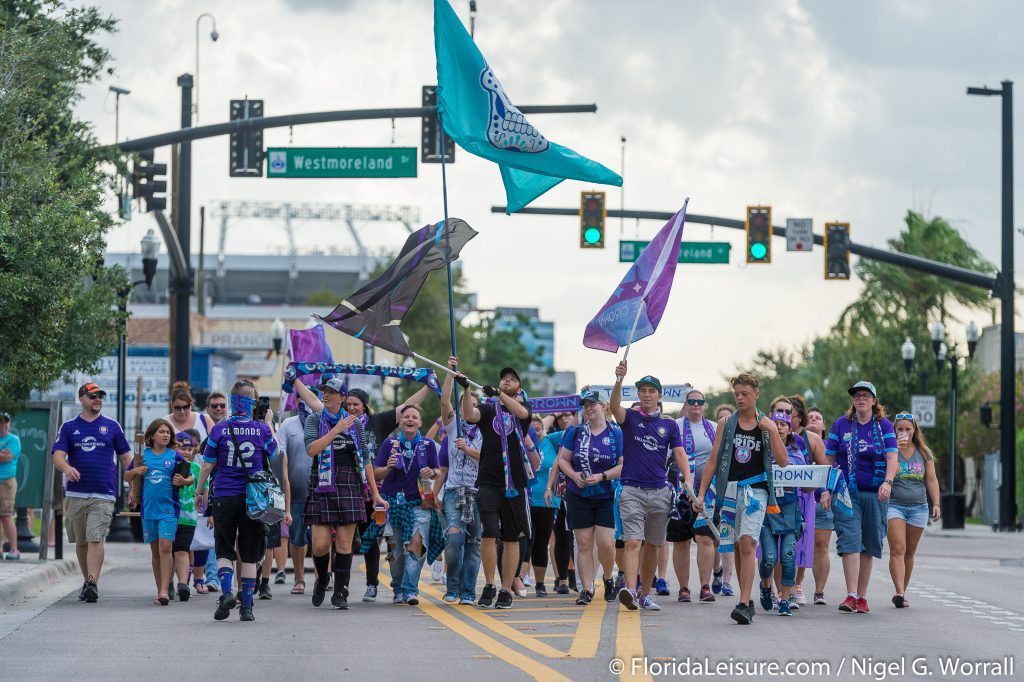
180	408
785	410
219	406
94	396
694	401
904	415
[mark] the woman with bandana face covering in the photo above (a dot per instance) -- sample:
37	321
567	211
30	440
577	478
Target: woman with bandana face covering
341	480
237	448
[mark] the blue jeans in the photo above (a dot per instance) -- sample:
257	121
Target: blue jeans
770	555
406	566
461	550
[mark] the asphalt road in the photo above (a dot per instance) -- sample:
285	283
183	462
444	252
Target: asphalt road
966	598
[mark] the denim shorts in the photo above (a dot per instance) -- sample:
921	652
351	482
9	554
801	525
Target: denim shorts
298	534
914	514
863	532
162	529
824	519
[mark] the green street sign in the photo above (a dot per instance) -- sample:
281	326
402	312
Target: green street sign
341	162
689	252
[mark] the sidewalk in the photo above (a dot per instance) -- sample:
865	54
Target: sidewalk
27	577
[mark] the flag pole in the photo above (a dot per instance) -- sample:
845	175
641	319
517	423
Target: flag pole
636	320
444	369
448	269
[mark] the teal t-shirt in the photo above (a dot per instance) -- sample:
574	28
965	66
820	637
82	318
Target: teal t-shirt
159	496
12	443
548	451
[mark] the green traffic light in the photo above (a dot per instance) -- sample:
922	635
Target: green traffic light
592	235
758	251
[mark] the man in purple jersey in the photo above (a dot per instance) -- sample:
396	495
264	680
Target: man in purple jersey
86	453
648	440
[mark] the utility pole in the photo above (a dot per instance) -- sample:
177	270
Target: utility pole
181	292
1007	355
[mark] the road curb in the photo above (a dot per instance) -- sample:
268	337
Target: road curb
44	575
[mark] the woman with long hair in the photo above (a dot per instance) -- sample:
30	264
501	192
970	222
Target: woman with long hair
862	444
824	519
183	415
907	517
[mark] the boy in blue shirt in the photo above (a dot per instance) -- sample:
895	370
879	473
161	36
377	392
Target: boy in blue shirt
10	450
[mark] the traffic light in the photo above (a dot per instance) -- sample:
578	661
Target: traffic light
246	146
592	218
430	149
759	234
149	181
837	250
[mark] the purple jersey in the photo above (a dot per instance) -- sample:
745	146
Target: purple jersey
860	450
647	444
253	440
604	450
92	448
404	477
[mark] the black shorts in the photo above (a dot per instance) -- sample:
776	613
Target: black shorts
183	538
587	512
507	518
679	531
273	533
232	524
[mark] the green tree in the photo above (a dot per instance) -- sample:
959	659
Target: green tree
324	298
59	301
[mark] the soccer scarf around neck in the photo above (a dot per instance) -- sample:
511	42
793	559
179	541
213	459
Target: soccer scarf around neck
582	454
411	449
325	468
851	451
688	444
510	488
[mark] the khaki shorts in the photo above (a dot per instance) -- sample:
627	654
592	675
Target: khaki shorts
87	519
644	513
8	491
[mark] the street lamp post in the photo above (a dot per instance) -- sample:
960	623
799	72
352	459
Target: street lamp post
1007	361
120	529
213	36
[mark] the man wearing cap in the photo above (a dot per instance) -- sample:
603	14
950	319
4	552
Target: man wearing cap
648	440
86	453
862	443
501	481
10	450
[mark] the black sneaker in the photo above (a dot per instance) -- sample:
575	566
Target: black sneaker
743	613
561	588
319	592
280	578
225	603
487	597
609	590
582	599
587	596
81	592
90	592
541	590
504	600
339	600
265	591
183	592
245	613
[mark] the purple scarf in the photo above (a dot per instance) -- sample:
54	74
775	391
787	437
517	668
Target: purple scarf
688	444
510	488
325	467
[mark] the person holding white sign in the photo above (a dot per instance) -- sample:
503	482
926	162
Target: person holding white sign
907	516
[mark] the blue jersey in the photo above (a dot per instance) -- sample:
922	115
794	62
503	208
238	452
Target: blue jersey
12	443
254	439
159	495
92	448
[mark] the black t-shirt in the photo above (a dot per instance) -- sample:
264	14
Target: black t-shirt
747	456
382	424
492	469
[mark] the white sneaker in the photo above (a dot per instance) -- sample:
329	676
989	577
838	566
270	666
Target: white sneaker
799	597
437	571
527	580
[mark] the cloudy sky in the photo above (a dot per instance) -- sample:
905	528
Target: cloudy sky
844	110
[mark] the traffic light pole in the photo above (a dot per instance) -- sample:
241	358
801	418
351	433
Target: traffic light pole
181	354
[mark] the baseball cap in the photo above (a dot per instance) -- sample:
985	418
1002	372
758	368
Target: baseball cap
781	417
184	440
591	395
650	381
90	388
363	396
4	417
336	384
863	386
509	370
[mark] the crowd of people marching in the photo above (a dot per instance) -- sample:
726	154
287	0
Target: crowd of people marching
602	497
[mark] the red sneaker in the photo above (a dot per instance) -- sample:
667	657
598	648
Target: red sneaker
849	605
862	605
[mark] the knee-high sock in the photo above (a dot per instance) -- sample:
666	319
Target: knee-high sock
225	574
248	587
321	563
342	571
